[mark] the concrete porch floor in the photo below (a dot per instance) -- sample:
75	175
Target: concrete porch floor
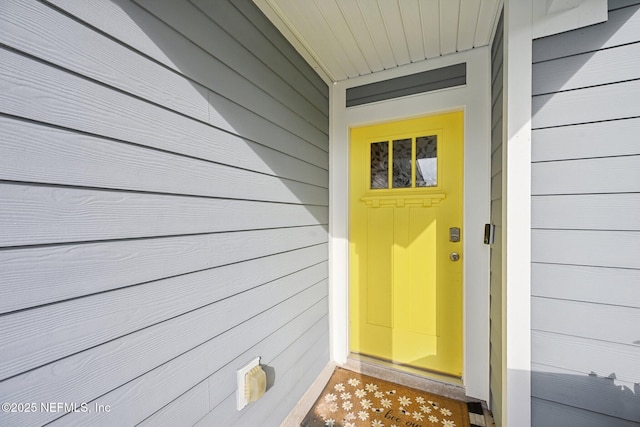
436	384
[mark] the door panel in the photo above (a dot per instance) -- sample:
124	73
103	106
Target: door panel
405	195
379	266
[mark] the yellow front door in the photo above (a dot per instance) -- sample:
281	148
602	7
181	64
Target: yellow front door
406	242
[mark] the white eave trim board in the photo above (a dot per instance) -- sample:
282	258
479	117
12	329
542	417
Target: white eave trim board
269	9
557	16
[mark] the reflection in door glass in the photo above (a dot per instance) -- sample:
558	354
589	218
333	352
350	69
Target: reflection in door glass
402	163
426	161
380	165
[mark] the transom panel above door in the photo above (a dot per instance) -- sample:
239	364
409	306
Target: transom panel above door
405	242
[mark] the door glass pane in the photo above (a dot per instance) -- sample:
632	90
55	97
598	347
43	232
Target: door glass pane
402	163
380	165
426	161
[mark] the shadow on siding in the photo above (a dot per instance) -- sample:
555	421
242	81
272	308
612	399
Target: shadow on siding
286	131
576	49
584	400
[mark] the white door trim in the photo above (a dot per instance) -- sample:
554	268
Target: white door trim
475	100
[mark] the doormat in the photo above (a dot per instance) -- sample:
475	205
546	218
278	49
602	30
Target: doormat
351	399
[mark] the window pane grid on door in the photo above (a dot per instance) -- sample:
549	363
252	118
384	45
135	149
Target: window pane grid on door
413	161
380	165
402	161
426	163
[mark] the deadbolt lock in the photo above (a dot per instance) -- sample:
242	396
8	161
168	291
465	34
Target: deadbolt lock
454	234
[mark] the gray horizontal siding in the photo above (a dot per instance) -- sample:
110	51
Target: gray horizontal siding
585	141
275	355
103	266
600	248
618	30
83	105
616	64
587	105
57	215
29	27
585	227
548	413
34	144
29	334
174	384
164	185
564	282
87	375
613	211
134	26
267	43
254	77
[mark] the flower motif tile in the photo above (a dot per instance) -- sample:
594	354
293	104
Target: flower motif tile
363	415
404	401
354	382
371	387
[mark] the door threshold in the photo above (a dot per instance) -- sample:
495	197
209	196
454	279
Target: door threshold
432	382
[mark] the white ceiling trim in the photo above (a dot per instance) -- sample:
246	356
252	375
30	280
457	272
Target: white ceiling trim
344	39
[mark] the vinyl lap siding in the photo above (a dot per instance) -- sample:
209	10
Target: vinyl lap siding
163	177
586	226
496	219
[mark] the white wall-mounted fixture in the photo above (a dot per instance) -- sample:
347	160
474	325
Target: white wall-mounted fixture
252	383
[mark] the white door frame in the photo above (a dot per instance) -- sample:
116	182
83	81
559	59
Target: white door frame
475	100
